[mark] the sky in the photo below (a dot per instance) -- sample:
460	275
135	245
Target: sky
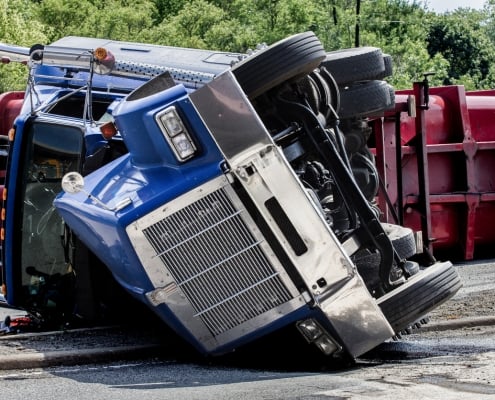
441	6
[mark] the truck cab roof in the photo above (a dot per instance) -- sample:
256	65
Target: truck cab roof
207	61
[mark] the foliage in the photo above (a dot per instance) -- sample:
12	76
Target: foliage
461	39
192	26
18	26
167	7
113	19
458	47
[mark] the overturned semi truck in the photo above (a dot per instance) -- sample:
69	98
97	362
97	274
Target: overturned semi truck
234	195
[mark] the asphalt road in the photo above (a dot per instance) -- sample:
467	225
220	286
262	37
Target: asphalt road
438	364
460	368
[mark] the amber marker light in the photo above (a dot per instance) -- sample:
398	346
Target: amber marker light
108	130
100	53
105	61
4	194
11	134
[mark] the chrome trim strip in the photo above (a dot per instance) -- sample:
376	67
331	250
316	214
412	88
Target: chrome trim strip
352	306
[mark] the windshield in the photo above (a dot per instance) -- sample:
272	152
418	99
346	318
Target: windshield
52	151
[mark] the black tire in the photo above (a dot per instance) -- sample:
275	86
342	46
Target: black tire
388	64
392	98
355	64
367	265
402	239
289	58
364	99
313	92
365	174
404	244
422	293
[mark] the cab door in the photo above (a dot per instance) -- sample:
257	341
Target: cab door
36	262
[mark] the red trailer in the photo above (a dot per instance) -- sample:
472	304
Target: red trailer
436	157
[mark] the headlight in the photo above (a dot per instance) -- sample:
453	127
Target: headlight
176	134
310	329
183	146
313	332
327	345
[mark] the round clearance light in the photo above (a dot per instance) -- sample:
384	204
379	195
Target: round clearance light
105	61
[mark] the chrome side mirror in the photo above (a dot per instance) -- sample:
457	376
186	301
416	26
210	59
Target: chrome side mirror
73	182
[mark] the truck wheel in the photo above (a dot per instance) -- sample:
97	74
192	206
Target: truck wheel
404	244
289	58
422	293
355	64
388	64
402	239
364	99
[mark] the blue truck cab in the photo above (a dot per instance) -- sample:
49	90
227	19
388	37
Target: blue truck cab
214	188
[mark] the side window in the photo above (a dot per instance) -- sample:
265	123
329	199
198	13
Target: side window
52	151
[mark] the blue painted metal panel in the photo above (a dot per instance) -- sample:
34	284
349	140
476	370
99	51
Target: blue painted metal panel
149	175
12	183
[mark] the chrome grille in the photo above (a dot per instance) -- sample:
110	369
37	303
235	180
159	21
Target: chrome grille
219	264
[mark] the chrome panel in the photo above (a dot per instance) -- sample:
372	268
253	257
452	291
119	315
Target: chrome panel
230	117
14	53
351	245
262	169
64	57
356	317
211	265
206	62
324	258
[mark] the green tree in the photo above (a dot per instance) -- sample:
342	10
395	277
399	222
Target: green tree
336	25
167	8
64	17
121	20
272	20
18	26
113	19
458	47
199	24
400	28
461	38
